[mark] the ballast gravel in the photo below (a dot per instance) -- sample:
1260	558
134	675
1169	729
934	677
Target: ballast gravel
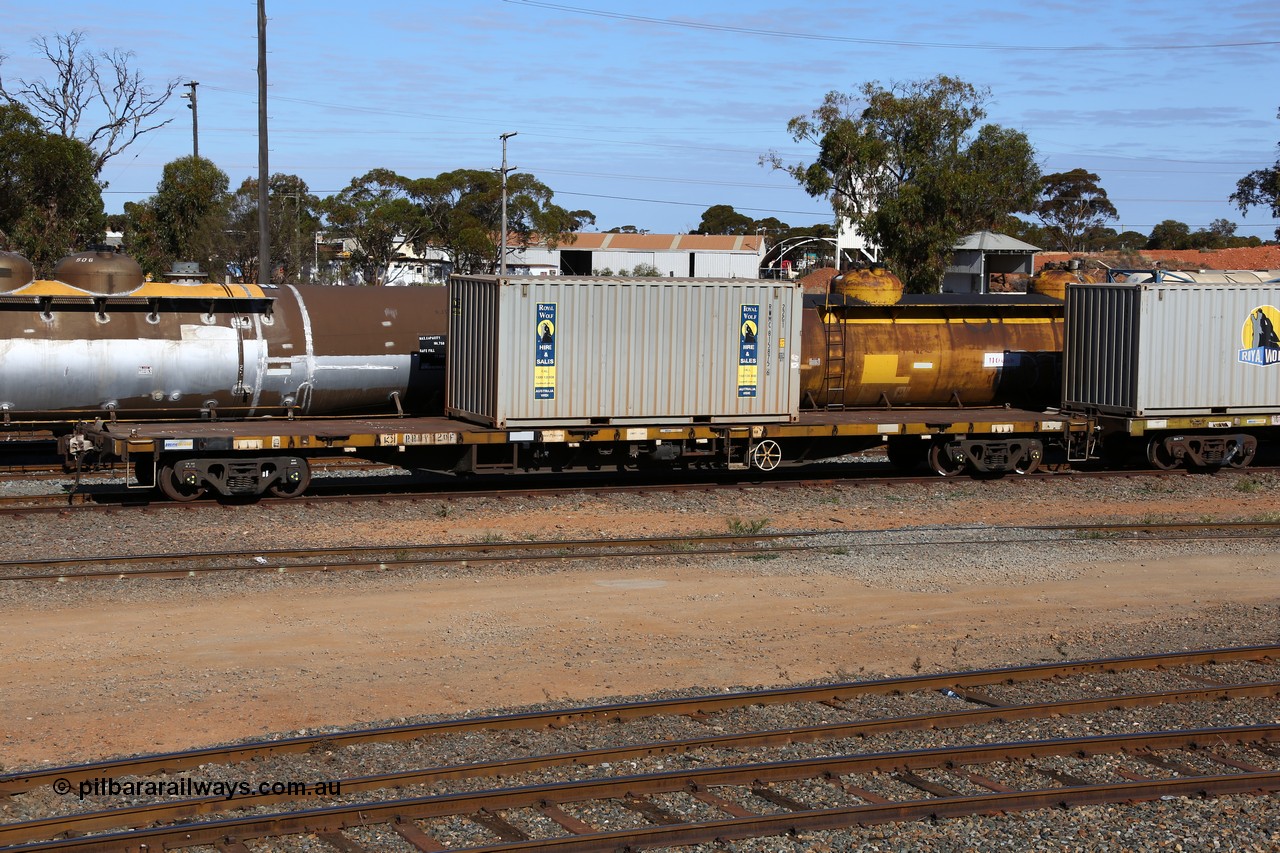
908	540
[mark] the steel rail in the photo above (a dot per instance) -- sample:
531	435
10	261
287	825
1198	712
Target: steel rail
22	781
333	819
92	502
171	811
454	551
792	823
581	549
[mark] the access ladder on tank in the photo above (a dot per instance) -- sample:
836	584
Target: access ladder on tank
833	375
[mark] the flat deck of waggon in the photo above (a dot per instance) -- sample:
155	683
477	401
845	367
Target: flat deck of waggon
329	434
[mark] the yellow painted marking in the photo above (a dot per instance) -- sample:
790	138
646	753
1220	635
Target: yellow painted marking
150	289
882	370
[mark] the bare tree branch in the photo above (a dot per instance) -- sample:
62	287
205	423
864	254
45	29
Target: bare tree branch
83	80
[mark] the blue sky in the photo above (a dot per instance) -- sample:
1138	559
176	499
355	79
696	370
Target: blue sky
646	114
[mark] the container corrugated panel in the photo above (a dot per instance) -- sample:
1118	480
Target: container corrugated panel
530	351
1168	349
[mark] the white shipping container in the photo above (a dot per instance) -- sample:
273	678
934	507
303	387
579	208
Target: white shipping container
527	351
1172	349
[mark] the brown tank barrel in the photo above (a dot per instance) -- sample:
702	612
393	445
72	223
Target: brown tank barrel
101	272
934	353
15	272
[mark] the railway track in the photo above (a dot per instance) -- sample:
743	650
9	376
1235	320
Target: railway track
408	488
168	566
754	544
721	796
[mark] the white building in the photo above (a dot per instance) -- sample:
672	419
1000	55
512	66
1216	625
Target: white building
593	253
671	255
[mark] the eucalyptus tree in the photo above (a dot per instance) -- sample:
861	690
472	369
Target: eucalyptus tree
50	201
911	169
1260	188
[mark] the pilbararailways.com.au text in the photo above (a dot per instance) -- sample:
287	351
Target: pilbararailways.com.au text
228	789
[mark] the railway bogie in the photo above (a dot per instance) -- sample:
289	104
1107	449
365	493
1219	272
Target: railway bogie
188	479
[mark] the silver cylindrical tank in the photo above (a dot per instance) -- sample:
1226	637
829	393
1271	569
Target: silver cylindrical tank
180	351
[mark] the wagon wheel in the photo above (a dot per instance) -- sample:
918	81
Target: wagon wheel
1243	457
766	455
1028	462
293	484
174	488
942	462
1159	456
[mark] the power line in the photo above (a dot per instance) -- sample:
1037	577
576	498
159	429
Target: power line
695	25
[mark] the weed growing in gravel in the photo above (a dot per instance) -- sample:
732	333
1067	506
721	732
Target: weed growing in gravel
742	527
491	537
1247	486
760	557
443	511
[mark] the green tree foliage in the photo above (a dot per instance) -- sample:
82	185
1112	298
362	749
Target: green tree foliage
1260	188
463	214
1129	240
186	219
723	219
50	201
1072	207
905	165
376	209
293	217
94	97
1169	234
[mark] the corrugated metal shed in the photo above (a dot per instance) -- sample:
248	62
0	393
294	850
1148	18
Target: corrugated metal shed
672	255
980	256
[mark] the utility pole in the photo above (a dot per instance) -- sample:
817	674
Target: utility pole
502	258
195	119
264	174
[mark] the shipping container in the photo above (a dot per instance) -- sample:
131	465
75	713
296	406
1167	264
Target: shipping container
1139	350
565	351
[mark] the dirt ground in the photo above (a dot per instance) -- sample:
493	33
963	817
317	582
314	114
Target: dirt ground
93	675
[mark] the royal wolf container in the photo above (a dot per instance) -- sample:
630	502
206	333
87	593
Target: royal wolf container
1139	350
565	351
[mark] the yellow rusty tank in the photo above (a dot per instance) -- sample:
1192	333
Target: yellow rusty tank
101	272
875	286
938	350
1053	282
15	271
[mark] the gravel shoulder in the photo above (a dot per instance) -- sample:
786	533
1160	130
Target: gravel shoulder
99	669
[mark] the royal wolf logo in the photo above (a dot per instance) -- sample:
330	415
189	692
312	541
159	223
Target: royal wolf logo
1258	335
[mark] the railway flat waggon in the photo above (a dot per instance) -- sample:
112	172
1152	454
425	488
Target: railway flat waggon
234	390
1186	372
